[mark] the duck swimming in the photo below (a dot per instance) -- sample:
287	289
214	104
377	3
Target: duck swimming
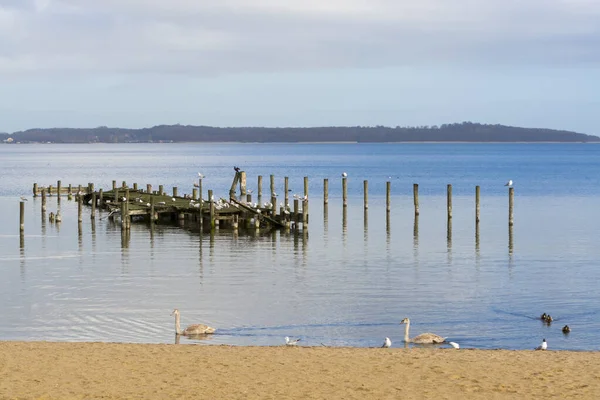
566	329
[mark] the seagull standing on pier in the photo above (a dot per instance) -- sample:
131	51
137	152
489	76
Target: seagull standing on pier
237	169
509	183
200	175
387	343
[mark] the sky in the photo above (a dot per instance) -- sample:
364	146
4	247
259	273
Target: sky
139	63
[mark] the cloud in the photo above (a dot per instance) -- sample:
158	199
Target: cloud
234	36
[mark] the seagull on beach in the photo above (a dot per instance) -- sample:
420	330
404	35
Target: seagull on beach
386	343
291	342
454	344
509	183
542	346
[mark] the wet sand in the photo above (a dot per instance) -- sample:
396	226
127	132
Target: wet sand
43	370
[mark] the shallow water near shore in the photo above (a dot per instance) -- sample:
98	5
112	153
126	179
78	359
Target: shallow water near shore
346	282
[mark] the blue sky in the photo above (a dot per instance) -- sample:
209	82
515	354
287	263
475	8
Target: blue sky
137	63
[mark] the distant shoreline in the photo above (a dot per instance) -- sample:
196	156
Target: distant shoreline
466	132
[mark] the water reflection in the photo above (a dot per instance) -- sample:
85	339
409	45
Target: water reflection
366	225
344	225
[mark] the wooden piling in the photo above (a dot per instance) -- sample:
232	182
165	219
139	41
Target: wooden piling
242	183
148	188
70	191
449	200
123	216
90	187
135	186
200	191
43	200
388	196
161	190
79	192
35	189
58	188
236	178
272	185
174	191
477	208
248	198
127	217
93	213
124	185
49	190
22	216
273	206
416	197
100	199
345	191
259	188
212	209
325	191
366	194
511	203
79	208
152	212
305	214
286	189
305	204
114	185
296	211
194	194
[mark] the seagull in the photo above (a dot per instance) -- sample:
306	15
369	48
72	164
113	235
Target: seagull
200	175
387	343
454	344
23	198
542	346
237	169
291	342
509	183
111	213
344	174
173	199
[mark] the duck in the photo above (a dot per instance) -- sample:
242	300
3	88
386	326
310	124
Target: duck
548	319
566	329
543	316
423	338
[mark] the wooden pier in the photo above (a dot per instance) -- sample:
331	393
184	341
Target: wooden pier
134	204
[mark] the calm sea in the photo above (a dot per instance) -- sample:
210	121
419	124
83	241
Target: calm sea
347	281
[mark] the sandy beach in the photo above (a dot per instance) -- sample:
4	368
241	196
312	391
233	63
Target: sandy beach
44	370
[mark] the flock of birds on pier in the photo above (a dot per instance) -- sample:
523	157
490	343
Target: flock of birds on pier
199	330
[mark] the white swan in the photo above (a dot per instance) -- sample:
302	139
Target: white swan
196	329
423	338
